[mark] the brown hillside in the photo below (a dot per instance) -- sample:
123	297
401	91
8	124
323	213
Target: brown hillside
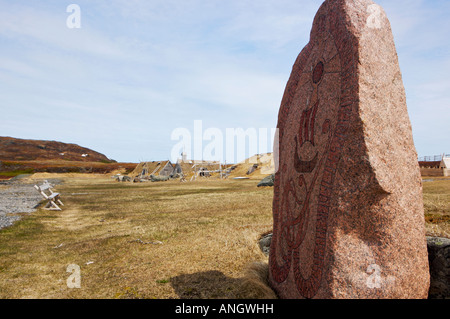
14	149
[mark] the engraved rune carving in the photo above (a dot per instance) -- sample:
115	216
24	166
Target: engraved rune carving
304	166
306	130
307	125
301	204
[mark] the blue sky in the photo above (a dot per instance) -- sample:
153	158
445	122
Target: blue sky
136	70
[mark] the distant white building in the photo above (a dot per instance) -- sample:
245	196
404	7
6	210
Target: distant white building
445	163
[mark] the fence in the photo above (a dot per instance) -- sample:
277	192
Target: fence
434	158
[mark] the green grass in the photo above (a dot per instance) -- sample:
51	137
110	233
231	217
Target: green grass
17	172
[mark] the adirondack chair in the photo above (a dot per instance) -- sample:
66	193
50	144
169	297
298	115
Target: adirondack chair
52	198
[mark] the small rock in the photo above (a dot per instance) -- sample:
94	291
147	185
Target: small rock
267	181
264	243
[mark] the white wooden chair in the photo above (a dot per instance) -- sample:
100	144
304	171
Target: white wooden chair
52	198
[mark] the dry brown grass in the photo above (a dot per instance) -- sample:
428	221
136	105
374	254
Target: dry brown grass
209	232
154	240
436	200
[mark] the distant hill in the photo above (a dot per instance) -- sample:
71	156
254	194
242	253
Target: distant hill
14	149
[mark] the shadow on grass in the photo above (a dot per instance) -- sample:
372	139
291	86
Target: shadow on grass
215	285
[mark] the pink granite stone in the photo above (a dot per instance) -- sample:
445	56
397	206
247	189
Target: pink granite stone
348	211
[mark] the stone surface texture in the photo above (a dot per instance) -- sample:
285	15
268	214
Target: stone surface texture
439	259
348	190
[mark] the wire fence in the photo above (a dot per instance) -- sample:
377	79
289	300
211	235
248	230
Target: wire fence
434	158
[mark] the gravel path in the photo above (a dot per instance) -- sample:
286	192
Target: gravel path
18	197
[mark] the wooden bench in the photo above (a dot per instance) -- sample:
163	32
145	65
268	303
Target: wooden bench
52	198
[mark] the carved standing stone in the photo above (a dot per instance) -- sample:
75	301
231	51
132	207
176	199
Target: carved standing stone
348	212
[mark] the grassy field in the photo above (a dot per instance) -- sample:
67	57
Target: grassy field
146	240
154	240
436	201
